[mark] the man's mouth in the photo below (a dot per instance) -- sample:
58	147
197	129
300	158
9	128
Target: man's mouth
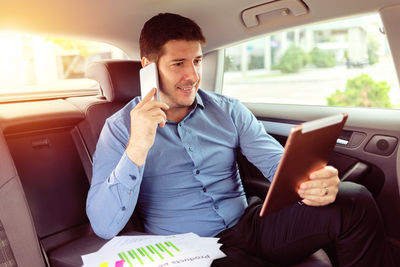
185	88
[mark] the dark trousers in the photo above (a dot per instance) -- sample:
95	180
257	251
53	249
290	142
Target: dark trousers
350	230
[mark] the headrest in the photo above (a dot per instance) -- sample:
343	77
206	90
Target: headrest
119	79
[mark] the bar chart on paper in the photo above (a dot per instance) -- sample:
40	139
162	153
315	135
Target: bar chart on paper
147	250
150	253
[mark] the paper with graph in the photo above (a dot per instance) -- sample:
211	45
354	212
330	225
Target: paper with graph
150	250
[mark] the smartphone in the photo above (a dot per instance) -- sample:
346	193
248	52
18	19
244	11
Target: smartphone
149	80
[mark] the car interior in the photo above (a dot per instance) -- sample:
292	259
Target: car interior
47	141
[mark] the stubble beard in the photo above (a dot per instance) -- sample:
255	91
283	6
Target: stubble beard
173	103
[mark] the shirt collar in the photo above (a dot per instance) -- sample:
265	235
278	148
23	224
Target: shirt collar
199	101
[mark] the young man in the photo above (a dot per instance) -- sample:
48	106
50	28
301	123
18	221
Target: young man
175	161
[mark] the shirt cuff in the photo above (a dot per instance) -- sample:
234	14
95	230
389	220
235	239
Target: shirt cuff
127	172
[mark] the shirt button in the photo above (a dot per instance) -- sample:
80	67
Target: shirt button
190	148
123	208
216	206
204	189
197	172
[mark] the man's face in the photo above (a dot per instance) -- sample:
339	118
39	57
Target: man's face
179	70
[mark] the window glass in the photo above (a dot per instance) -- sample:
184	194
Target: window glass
30	63
338	63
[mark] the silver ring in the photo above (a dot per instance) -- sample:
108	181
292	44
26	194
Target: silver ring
326	191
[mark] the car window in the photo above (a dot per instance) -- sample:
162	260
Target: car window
33	63
345	62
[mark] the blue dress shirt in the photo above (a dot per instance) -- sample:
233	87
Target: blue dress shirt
190	181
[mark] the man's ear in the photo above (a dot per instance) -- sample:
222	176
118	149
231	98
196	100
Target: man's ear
145	61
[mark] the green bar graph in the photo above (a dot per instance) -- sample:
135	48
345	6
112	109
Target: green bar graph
150	249
148	254
123	256
135	256
140	251
156	252
120	256
161	245
168	243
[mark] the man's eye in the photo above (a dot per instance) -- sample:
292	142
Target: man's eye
178	64
197	61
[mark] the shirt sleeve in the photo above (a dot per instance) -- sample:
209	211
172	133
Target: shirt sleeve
255	143
115	182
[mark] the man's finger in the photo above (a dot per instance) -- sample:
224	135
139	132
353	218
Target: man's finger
314	192
158	112
147	98
325	172
160	120
315	184
149	106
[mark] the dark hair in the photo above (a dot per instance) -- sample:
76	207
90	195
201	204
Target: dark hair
165	27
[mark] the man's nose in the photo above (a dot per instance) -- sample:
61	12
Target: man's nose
192	72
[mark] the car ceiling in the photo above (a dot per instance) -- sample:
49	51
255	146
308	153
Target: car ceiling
119	22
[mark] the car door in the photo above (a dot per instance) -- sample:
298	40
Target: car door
341	65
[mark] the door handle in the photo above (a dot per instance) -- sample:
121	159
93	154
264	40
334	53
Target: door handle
356	172
296	7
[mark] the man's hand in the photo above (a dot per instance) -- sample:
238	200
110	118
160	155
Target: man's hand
322	187
145	118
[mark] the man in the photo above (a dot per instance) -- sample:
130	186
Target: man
174	160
